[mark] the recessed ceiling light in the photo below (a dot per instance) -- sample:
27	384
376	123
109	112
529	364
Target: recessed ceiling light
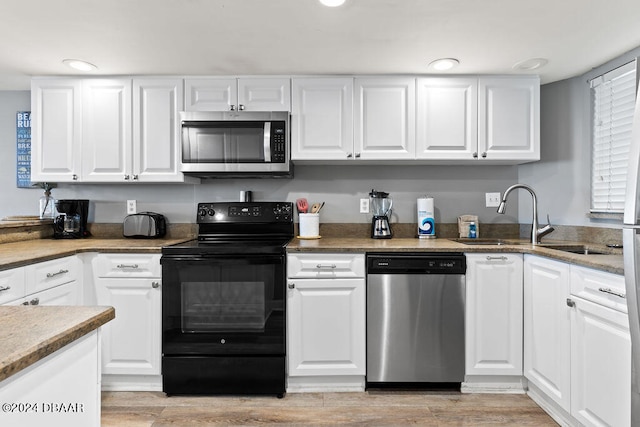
332	3
78	64
444	64
530	64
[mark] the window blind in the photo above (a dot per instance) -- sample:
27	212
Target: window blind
613	97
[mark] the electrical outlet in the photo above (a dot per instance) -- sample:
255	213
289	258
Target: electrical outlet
131	207
364	206
492	200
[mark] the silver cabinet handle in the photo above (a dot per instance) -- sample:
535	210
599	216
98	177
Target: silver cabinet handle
241	107
349	155
475	155
292	285
357	155
135	177
127	177
612	292
4	288
155	285
50	275
34	301
122	266
484	155
496	258
570	302
232	107
74	177
326	266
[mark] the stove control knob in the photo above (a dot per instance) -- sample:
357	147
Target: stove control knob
211	212
202	212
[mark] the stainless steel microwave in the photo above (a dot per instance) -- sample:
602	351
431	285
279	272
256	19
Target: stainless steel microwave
235	144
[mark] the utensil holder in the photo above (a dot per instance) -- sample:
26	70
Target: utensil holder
309	224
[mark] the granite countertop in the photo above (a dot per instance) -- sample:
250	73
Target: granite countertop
30	333
612	263
17	254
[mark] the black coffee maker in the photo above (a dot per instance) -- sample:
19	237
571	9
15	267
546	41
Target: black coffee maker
71	222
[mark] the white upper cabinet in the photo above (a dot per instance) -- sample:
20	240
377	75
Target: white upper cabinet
385	114
243	94
156	129
447	118
321	118
509	118
56	123
106	130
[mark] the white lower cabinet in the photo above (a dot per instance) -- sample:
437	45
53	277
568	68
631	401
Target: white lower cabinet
577	343
547	328
600	350
326	323
131	343
493	315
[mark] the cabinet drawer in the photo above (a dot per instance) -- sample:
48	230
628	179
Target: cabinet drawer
45	275
127	265
12	284
325	265
600	287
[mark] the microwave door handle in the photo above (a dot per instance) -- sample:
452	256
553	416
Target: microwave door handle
267	142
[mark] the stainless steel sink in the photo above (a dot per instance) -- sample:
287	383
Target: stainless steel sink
488	242
575	249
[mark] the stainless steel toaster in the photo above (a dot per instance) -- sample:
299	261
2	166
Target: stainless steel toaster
145	225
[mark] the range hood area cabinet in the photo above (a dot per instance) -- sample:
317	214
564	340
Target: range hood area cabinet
428	119
237	94
106	130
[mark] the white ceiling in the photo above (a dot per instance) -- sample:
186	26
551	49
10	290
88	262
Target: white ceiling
246	37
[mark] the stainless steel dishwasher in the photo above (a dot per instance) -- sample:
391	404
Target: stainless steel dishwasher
415	318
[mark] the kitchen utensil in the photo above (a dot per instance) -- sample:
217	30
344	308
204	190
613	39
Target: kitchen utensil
315	207
321	206
302	205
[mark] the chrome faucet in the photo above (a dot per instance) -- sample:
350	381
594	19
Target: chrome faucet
536	233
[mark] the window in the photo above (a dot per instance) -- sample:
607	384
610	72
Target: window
613	101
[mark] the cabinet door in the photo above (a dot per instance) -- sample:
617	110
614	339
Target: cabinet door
106	130
264	94
385	118
156	129
131	342
326	327
447	118
547	328
12	284
509	118
600	365
322	119
494	314
56	128
210	94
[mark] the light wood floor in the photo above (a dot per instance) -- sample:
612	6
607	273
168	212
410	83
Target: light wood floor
373	408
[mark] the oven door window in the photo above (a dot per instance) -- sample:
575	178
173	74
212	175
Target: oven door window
225	142
223	299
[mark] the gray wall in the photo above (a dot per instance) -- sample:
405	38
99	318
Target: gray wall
562	179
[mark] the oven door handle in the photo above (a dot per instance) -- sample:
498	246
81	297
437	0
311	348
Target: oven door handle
267	142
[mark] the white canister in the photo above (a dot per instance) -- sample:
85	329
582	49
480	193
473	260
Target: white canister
309	224
426	218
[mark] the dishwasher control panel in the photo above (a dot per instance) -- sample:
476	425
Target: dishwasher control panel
416	263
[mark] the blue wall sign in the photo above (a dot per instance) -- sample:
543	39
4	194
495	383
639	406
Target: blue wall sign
23	128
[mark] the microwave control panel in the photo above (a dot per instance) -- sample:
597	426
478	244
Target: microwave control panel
278	142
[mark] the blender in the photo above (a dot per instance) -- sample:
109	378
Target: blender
381	205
